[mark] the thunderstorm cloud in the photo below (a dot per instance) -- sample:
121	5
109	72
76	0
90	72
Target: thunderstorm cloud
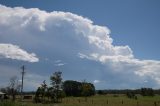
86	48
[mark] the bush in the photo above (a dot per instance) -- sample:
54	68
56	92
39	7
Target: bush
7	103
147	92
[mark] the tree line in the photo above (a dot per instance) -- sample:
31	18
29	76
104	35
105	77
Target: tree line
59	89
131	93
53	92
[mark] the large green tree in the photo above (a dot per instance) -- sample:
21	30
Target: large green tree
88	89
75	88
72	88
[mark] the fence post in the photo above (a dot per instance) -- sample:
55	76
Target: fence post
79	100
137	103
122	101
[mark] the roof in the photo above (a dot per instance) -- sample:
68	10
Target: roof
1	93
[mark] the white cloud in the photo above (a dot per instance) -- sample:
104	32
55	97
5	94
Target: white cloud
57	61
15	52
59	64
96	81
81	55
64	35
33	81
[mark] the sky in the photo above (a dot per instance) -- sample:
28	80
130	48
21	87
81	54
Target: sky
111	43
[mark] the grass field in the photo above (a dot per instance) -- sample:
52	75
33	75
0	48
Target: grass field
103	100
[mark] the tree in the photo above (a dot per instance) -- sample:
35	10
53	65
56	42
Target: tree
43	89
49	92
75	88
38	95
14	87
131	95
100	92
87	90
41	92
147	92
56	82
72	88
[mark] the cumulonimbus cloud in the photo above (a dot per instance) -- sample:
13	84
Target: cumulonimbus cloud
64	34
15	52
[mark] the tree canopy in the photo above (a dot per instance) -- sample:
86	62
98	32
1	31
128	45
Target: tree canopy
75	88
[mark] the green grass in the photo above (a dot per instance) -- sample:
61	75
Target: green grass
103	100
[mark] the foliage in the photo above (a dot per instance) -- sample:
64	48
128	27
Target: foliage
56	83
75	88
143	91
147	92
131	95
38	94
100	92
53	93
72	88
88	89
14	87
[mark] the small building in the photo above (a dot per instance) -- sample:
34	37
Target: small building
2	95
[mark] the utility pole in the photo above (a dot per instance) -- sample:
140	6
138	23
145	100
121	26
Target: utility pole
23	72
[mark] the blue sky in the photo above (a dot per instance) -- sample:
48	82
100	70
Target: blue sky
134	30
